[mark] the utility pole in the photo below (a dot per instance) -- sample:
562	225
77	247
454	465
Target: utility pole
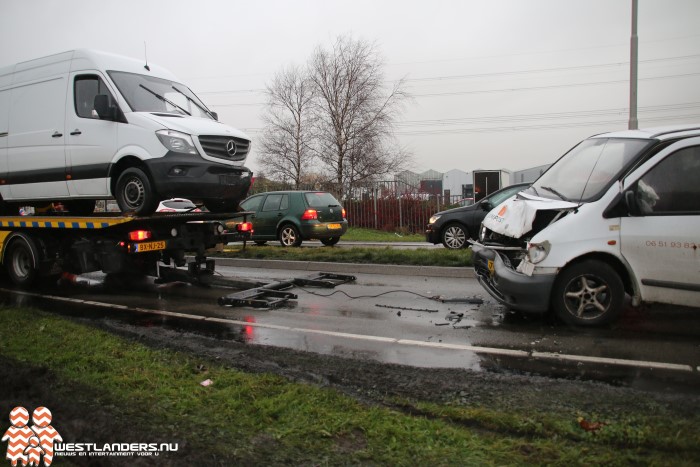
634	45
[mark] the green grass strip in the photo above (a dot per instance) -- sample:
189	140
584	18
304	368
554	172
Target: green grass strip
358	234
385	255
297	423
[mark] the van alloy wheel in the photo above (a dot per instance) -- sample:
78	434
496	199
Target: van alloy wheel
588	293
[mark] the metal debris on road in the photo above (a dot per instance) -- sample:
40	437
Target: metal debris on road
406	308
467	300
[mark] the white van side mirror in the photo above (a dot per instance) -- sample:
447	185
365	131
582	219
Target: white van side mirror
103	109
631	203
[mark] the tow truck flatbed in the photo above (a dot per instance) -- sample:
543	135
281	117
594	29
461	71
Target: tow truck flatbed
32	247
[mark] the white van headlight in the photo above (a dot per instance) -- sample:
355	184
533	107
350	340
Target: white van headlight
537	252
177	141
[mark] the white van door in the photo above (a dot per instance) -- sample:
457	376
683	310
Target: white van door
662	242
35	143
91	142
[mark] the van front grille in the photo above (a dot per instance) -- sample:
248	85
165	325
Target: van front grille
225	147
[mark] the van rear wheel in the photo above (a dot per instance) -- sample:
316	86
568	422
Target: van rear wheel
588	293
134	193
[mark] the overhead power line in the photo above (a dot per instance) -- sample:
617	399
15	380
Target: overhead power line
493	74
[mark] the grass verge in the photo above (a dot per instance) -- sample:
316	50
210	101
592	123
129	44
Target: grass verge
258	419
358	234
385	255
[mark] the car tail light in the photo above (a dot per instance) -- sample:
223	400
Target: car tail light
245	227
139	235
345	214
309	215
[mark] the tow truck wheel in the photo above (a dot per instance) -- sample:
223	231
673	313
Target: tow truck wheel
134	193
289	236
454	237
588	293
21	261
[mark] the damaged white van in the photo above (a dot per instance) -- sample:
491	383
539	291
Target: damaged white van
618	214
86	125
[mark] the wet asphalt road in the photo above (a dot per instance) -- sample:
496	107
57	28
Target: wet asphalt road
396	319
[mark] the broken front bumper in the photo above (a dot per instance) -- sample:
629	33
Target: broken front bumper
511	288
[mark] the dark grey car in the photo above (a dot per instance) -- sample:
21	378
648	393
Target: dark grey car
453	227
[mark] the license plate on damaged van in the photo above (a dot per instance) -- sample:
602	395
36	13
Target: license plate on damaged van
333	226
489	265
149	246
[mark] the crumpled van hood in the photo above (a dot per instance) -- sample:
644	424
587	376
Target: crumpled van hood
514	217
195	126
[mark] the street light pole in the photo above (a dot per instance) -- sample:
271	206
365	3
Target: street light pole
634	43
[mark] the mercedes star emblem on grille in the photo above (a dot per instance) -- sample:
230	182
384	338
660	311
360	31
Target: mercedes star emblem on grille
231	147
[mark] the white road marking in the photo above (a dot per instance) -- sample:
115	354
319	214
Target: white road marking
389	340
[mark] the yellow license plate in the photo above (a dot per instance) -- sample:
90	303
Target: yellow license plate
490	266
333	226
149	246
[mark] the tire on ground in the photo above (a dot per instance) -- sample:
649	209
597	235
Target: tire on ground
588	293
454	236
289	235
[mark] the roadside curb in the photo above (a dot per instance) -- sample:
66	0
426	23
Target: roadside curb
349	268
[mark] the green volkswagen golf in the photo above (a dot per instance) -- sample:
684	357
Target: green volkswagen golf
294	216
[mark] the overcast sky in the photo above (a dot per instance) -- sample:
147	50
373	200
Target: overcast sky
496	83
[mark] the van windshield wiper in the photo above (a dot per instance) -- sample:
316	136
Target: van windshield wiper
200	107
165	99
552	190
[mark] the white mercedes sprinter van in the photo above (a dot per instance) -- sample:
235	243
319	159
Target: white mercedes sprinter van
618	214
86	125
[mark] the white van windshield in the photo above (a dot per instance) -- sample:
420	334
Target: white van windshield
149	94
588	169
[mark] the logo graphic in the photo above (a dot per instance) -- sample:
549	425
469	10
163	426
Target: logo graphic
231	147
29	444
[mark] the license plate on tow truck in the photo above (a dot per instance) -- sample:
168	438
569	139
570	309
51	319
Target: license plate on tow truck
149	246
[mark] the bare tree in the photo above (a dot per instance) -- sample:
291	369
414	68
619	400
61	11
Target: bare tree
355	113
286	142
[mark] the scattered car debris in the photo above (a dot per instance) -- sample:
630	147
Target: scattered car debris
454	316
467	300
404	308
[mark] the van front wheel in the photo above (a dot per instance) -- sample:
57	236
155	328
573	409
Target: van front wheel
588	293
134	193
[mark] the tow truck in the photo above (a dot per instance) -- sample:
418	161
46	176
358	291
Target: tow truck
45	247
33	248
